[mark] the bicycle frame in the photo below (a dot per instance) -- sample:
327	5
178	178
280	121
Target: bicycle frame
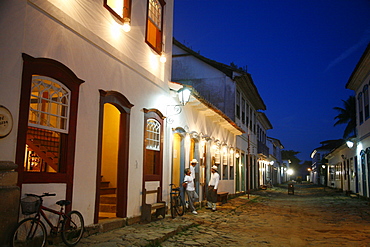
54	228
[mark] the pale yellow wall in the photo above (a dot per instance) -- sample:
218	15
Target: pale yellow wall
110	144
176	159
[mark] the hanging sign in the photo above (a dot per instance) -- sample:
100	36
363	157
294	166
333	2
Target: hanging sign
6	121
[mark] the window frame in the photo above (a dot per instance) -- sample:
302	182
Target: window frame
158	46
53	69
156	115
126	11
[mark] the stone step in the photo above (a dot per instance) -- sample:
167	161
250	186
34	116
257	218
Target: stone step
108	199
104	184
105	191
108	208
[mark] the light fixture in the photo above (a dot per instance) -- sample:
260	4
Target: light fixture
184	95
126	25
349	143
163	58
237	155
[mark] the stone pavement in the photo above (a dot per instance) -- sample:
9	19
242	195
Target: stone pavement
313	216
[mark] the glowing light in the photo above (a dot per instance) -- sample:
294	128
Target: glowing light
163	58
126	25
349	144
290	172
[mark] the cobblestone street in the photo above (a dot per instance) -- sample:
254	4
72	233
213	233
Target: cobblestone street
313	216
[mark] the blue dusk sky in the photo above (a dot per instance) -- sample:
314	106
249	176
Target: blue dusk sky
300	54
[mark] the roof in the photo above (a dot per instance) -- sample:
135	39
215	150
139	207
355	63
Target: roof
264	120
243	79
212	111
276	141
361	70
329	145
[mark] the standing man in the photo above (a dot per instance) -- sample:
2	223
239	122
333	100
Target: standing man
193	163
190	190
212	189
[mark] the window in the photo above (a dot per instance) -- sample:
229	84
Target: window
48	119
154	25
153	146
225	167
231	163
47	122
243	110
237	104
366	101
121	9
360	108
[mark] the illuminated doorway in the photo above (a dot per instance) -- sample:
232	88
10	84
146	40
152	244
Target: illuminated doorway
113	150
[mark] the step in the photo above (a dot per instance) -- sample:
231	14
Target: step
108	199
107	208
104	184
105	215
105	191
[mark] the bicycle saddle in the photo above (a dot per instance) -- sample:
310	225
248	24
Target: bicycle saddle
63	202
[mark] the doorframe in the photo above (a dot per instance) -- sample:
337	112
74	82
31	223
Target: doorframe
124	106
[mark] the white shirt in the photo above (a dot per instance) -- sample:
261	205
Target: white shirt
192	169
189	180
215	178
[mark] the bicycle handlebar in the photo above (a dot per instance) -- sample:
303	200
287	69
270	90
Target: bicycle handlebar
44	194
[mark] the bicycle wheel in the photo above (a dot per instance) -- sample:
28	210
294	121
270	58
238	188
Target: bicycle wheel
72	228
173	206
180	206
29	232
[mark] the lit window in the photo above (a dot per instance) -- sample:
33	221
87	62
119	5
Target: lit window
155	24
121	9
49	106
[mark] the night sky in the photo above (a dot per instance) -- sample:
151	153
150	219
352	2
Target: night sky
300	54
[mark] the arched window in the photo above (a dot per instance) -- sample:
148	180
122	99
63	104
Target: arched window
153	145
47	122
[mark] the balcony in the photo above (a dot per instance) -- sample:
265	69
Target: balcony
262	148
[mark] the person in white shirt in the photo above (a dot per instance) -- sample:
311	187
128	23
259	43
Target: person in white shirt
212	189
193	163
190	190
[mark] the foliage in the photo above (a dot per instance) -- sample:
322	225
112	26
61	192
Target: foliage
291	155
347	115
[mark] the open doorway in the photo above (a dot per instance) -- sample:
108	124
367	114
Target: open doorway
113	151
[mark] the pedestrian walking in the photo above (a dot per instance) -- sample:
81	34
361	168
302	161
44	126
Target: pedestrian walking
190	190
212	189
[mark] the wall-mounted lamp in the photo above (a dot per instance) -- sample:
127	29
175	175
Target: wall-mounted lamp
126	24
237	155
163	58
184	95
349	143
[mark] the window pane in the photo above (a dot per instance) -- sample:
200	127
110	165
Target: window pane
48	104
42	150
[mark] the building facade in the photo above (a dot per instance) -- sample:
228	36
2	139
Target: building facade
233	92
86	86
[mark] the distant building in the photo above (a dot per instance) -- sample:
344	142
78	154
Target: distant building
233	92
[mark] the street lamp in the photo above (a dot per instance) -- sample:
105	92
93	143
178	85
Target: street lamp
184	95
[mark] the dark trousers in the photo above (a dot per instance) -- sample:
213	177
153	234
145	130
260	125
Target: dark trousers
212	194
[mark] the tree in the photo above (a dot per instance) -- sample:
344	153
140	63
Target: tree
347	115
291	155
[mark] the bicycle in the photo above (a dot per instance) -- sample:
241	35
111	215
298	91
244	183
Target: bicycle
32	231
177	203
